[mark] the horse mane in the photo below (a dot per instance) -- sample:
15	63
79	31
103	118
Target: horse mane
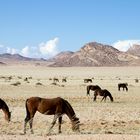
68	108
70	113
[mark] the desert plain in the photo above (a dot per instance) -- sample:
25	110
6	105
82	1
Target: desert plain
119	120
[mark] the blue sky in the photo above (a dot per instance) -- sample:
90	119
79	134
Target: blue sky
42	28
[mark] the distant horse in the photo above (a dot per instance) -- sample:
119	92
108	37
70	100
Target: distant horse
55	106
64	80
87	80
104	93
55	80
92	87
5	109
123	85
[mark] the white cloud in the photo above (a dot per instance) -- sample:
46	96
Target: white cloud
25	51
44	50
124	45
49	48
11	50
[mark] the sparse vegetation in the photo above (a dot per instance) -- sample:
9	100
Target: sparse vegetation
16	83
105	120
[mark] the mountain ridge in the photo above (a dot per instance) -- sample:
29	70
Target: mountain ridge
91	54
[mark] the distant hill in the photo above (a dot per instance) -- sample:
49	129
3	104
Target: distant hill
91	54
7	58
134	50
14	57
95	54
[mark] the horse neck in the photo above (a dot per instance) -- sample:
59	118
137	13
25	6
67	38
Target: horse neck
69	110
110	96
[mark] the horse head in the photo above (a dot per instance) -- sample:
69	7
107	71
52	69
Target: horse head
8	116
75	124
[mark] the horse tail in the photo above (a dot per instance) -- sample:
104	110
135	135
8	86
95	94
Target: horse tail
118	87
88	89
27	111
110	96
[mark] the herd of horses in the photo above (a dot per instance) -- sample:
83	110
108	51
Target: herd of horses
99	92
57	107
104	92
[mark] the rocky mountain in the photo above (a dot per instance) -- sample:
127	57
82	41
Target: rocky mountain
134	50
91	54
95	54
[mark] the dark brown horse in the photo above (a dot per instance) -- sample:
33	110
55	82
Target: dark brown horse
5	109
55	106
55	80
104	93
64	80
123	85
92	87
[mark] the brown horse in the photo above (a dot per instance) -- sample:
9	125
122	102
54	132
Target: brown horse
55	106
5	109
92	87
104	93
123	85
55	80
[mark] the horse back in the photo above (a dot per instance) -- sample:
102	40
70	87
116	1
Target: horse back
45	105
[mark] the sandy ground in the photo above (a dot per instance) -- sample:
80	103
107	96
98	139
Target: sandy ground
98	120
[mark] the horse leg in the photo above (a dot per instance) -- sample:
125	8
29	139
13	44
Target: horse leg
103	98
118	88
95	96
88	91
29	118
53	122
60	121
25	123
31	125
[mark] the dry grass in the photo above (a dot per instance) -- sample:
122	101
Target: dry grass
106	120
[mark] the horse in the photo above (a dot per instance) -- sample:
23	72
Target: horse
5	109
123	85
55	106
87	80
64	80
92	87
55	80
104	93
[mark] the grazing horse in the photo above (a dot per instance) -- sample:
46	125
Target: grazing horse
87	80
55	80
123	85
64	80
92	87
5	109
55	106
104	93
